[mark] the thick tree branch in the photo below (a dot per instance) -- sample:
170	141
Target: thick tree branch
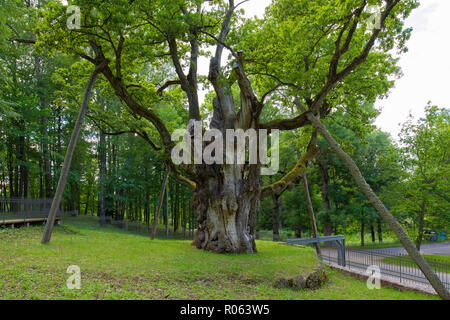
335	77
117	132
292	176
224	103
250	106
224	32
188	83
166	85
122	92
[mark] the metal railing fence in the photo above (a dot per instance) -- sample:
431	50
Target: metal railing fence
391	263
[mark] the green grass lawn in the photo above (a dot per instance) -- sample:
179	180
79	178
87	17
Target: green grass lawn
438	262
117	265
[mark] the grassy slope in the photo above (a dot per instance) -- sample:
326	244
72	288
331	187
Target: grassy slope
116	265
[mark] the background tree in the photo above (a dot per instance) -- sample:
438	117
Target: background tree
426	160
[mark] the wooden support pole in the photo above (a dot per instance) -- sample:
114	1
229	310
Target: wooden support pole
161	198
311	213
69	153
166	209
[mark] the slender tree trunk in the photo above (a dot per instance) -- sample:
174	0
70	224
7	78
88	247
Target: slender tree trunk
44	132
16	174
323	167
372	233
176	209
26	173
46	160
184	214
298	231
421	224
41	180
363	231
87	202
276	217
102	166
21	158
276	208
379	231
166	210
147	203
382	210
226	207
68	159
311	212
12	193
3	187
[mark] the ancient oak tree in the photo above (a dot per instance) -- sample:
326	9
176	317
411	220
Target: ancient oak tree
327	55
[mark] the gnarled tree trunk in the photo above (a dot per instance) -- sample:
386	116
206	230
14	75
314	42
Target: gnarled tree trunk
227	196
226	207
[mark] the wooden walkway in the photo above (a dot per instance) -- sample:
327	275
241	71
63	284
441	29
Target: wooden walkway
25	221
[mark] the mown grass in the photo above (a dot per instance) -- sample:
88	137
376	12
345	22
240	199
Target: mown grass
117	265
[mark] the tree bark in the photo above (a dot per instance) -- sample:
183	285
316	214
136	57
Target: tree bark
226	210
68	159
382	210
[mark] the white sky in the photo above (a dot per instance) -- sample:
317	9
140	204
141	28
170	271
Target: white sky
426	67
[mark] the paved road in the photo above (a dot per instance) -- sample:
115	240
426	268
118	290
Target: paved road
432	248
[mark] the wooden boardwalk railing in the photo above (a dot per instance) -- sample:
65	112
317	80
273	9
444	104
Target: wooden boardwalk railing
25	211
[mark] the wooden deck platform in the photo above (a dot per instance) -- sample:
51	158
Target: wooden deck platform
25	221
